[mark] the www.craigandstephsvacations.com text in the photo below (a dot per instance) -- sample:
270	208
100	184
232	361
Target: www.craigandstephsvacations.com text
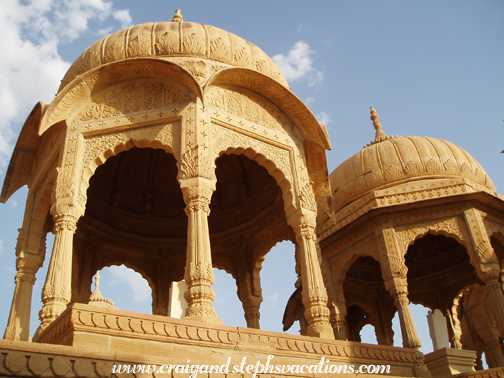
268	367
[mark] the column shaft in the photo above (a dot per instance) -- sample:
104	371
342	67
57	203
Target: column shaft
199	270
56	294
18	326
314	292
495	290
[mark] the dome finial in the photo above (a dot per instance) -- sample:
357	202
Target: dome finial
96	298
177	17
97	280
380	135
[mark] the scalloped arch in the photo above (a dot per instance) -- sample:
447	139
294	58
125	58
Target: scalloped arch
458	237
119	142
273	170
133	267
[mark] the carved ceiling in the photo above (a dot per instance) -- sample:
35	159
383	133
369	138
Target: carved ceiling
137	192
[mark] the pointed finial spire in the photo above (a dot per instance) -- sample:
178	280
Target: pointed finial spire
177	17
96	298
97	280
380	135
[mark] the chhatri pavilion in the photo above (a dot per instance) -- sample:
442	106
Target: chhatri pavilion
175	148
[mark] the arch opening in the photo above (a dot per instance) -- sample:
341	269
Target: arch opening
368	301
134	216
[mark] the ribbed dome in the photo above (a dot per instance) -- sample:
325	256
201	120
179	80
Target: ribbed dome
402	159
168	40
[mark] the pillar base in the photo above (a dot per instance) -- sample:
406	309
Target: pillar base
445	362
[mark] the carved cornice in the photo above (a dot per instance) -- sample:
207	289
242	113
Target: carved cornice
398	195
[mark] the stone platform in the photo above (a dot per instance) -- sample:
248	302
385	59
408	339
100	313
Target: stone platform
91	339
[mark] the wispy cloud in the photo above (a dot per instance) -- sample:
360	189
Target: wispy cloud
139	286
30	64
297	64
323	117
273	299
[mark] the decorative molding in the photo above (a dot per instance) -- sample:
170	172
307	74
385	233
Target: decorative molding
118	324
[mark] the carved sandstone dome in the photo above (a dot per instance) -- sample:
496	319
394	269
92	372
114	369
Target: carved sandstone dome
394	161
200	49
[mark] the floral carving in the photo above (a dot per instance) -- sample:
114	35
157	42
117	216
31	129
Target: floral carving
193	44
140	45
249	107
306	197
195	163
197	68
132	98
219	50
166	43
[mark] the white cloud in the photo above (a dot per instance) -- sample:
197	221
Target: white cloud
138	285
30	64
298	64
1	246
273	299
323	117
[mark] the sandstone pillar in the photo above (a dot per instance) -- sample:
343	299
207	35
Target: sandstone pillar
493	353
398	288
18	326
199	270
491	279
314	292
57	290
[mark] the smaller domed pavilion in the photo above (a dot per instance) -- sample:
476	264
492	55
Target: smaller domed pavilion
416	220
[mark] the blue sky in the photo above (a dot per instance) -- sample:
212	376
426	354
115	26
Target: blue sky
429	68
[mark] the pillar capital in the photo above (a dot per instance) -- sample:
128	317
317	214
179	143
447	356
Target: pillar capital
197	189
67	210
303	222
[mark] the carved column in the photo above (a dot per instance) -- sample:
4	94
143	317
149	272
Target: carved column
314	292
338	323
493	353
394	273
18	326
488	265
251	302
398	288
57	291
490	276
199	270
